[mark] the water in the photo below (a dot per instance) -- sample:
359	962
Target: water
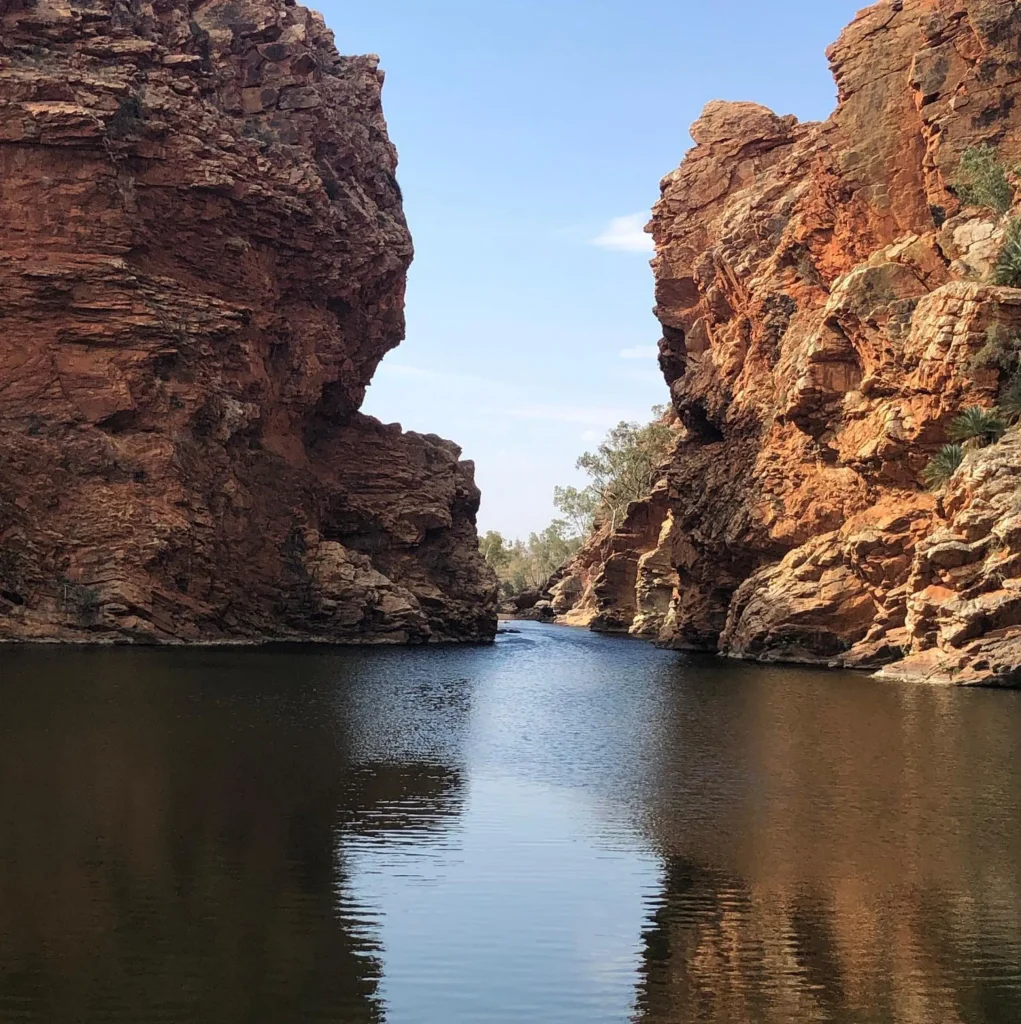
564	828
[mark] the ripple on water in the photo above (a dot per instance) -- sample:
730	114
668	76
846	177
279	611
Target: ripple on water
563	828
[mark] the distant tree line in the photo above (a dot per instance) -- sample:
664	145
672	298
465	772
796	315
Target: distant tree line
526	565
622	469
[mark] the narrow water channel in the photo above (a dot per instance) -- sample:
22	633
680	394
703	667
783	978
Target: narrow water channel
563	828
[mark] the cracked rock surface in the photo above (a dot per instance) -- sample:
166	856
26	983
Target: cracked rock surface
202	262
823	298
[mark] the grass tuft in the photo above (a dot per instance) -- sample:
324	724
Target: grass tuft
942	466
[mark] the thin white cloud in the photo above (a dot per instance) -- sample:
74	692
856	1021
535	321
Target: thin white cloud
640	352
403	370
642	376
441	378
587	415
626	234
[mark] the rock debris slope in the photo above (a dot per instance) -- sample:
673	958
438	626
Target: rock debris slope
202	262
824	298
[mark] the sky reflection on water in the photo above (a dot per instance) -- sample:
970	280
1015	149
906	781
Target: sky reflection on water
562	828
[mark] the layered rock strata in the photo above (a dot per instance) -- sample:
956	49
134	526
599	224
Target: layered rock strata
202	262
823	298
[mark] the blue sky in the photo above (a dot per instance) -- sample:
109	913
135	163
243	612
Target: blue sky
529	130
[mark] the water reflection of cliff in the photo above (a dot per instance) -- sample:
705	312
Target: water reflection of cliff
170	840
853	859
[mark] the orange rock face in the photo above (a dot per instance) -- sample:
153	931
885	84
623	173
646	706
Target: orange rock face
202	262
823	299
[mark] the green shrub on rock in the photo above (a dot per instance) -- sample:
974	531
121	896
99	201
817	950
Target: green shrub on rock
982	180
1010	399
942	466
1001	351
977	427
1007	271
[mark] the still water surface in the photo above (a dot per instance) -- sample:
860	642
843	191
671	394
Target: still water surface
564	828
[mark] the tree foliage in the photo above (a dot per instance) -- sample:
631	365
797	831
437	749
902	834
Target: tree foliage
550	549
527	565
622	469
578	506
495	551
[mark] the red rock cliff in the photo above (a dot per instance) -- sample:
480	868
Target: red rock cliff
823	300
202	262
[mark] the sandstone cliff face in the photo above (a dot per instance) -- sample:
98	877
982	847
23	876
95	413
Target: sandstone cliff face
822	298
202	262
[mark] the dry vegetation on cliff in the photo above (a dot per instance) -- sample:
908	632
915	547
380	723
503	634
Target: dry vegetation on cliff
621	470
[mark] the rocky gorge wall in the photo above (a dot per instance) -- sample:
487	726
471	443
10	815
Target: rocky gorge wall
824	297
202	262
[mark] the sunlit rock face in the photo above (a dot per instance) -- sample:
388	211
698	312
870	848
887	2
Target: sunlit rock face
823	297
202	262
